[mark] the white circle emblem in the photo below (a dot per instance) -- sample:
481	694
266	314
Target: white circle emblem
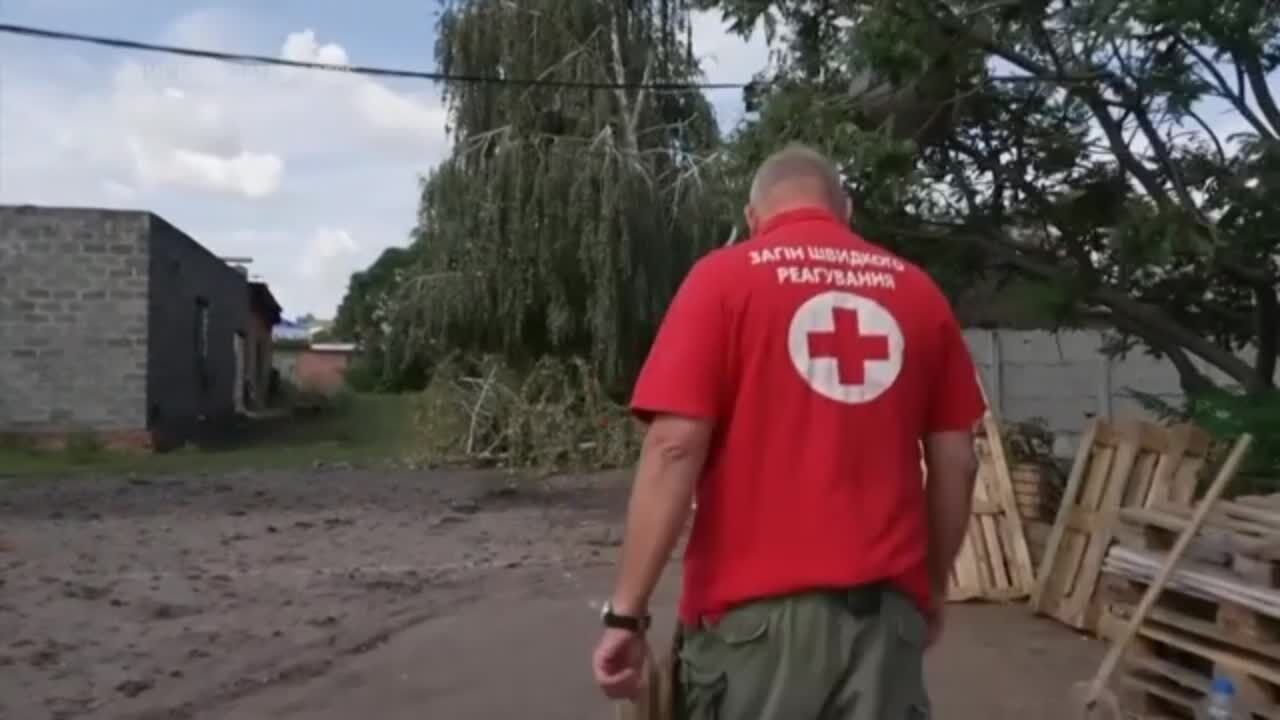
846	347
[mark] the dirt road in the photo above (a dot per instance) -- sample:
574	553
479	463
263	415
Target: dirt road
343	593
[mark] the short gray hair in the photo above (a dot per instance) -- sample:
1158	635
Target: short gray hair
800	164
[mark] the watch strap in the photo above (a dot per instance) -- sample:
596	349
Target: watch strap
630	623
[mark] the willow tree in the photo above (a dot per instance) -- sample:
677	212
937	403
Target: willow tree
571	207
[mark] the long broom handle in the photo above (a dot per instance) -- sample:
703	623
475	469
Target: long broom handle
1118	646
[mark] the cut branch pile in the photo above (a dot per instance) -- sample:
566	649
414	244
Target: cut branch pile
554	417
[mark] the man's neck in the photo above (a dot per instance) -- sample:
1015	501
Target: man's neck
794	205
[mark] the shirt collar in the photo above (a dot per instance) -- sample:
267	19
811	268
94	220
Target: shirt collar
801	214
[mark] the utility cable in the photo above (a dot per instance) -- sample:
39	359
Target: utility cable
58	35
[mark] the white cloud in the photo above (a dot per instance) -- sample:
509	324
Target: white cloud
253	175
310	173
303	47
325	249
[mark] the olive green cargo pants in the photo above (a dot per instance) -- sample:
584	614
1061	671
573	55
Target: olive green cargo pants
856	655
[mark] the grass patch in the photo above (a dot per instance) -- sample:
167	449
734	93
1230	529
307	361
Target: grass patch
356	429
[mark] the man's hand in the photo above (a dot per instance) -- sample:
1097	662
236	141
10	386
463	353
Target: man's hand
618	663
935	629
937	608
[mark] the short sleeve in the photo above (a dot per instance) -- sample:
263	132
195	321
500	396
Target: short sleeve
684	372
955	402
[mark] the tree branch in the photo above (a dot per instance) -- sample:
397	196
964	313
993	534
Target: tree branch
626	108
1213	136
1268	330
1261	90
1193	381
1236	98
1150	323
1165	156
1120	147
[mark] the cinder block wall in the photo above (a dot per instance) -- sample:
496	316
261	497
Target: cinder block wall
1064	379
73	320
183	272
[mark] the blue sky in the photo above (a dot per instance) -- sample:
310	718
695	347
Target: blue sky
311	174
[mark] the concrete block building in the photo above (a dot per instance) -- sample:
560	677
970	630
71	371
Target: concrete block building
116	323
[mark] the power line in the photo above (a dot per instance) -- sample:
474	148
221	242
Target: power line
59	35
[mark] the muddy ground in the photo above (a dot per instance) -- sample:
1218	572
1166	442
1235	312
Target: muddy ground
288	594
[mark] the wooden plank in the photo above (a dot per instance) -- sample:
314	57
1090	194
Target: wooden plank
966	569
1129	441
1049	563
990	534
986	507
1186	479
1073	559
1217	655
1184	688
993	561
980	555
1143	477
1161	486
1022	571
1201	628
1172	517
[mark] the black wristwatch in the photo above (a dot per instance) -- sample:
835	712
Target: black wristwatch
629	623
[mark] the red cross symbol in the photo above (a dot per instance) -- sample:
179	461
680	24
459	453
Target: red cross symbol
851	349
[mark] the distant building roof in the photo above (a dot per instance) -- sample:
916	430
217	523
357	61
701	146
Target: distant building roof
289	331
334	347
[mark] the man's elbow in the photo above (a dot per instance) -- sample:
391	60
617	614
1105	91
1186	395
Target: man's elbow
951	455
967	462
675	440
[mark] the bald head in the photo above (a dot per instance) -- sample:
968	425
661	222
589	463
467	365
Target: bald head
795	176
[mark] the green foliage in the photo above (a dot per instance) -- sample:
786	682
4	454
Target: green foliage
386	363
360	376
1068	143
83	446
1228	415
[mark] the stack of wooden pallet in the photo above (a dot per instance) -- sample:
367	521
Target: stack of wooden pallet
994	562
1119	465
1219	616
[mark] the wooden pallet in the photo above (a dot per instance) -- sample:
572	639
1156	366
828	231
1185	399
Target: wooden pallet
994	562
1219	617
1129	464
1168	672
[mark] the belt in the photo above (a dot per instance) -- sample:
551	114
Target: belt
865	600
861	601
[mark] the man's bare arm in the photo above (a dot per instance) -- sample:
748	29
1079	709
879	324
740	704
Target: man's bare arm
952	468
671	460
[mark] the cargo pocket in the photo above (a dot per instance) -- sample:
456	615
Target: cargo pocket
910	695
721	660
701	692
742	626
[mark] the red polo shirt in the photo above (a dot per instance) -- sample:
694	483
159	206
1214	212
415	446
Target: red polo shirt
823	360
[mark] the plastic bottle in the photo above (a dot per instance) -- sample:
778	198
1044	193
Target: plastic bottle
1220	703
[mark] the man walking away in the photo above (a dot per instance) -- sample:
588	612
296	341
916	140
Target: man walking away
792	383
